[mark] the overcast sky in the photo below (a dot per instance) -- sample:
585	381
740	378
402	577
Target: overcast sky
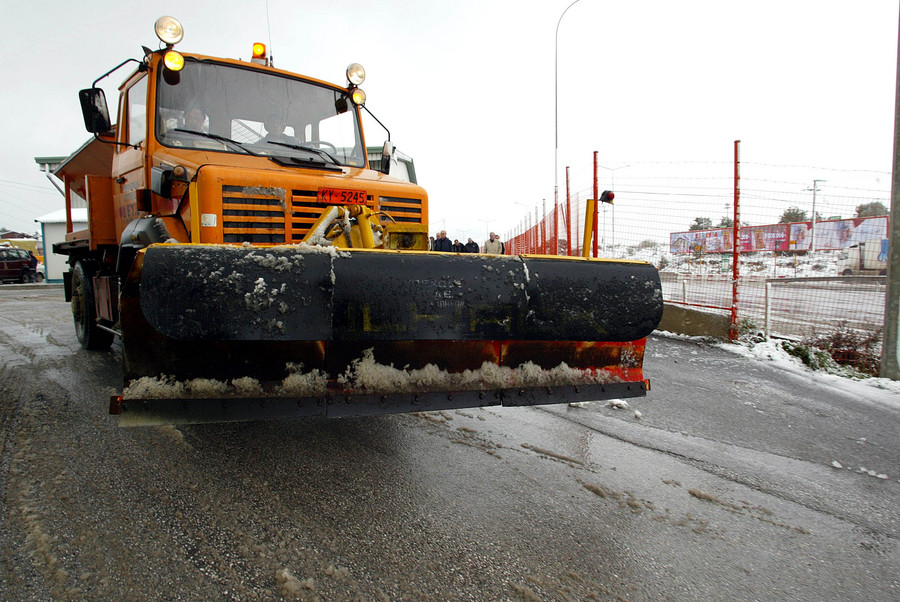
467	87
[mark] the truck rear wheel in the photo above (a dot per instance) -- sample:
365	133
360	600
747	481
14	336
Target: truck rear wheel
89	334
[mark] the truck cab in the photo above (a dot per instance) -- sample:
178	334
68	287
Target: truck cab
210	150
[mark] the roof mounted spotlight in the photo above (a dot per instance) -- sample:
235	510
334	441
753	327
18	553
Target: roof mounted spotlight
169	30
356	74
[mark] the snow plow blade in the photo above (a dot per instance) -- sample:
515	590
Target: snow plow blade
222	333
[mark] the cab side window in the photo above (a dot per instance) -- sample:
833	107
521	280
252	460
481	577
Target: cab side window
137	112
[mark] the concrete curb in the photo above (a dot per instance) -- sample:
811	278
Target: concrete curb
33	285
695	322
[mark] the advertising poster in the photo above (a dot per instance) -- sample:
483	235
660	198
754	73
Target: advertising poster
702	241
837	234
764	238
830	236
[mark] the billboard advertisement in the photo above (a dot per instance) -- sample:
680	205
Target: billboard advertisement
837	234
830	235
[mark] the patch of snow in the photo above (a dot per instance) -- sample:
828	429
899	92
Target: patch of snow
303	384
872	473
272	262
247	387
883	391
297	383
366	375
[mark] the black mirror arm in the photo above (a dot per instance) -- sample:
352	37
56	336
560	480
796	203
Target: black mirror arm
378	120
142	66
116	68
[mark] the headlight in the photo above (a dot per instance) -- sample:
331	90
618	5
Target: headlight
169	30
356	74
358	97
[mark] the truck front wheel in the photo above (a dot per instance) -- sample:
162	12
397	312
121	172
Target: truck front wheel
89	334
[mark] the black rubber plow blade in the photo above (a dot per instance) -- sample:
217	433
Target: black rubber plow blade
233	333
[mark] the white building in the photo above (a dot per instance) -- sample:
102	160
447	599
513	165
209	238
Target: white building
53	230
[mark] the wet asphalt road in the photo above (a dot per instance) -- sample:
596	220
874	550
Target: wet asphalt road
723	490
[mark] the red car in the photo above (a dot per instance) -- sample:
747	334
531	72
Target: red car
15	265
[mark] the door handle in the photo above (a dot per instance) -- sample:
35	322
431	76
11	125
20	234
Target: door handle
120	180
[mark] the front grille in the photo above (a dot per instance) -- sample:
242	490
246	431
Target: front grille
402	210
251	214
264	215
305	210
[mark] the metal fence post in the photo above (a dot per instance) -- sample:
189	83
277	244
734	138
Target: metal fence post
734	331
890	363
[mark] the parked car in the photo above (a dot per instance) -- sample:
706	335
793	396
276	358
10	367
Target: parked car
15	265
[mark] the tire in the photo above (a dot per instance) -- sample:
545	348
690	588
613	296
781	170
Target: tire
86	330
38	276
847	272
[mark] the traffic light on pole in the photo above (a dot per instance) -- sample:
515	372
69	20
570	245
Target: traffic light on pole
607	197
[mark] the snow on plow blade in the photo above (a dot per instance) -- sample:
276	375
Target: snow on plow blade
239	333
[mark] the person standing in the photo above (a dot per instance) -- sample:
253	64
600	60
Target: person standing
493	246
442	243
472	246
458	247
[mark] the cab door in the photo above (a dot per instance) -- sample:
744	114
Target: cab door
128	162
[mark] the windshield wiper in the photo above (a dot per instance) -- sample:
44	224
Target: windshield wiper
311	149
219	138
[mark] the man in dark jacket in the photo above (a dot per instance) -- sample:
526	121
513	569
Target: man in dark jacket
442	243
471	246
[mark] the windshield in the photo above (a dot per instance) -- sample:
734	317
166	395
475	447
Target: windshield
232	109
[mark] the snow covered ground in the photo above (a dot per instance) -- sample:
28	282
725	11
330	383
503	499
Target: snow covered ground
876	390
766	265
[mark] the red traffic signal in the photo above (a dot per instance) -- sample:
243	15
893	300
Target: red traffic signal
607	197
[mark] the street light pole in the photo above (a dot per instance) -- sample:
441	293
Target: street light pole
556	107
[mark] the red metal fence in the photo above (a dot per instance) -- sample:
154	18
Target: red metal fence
810	240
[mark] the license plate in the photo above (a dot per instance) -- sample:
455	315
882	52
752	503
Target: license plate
340	196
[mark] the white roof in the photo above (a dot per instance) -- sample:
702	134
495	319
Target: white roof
79	215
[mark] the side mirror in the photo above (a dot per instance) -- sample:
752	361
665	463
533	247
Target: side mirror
387	154
94	110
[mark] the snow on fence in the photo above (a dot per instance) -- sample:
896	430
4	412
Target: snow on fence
812	241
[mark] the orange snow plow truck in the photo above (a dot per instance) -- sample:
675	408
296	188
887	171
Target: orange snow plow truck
258	262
